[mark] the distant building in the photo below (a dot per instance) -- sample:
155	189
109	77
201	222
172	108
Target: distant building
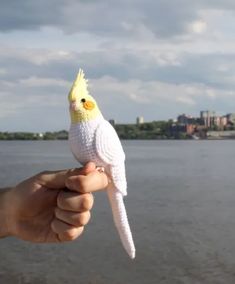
62	135
139	120
190	129
185	119
223	121
231	118
219	121
207	121
201	131
216	122
208	117
112	122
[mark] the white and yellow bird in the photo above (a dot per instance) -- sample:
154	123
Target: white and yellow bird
92	138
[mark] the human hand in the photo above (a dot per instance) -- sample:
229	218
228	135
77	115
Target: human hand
51	206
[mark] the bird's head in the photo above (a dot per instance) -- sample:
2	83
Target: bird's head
83	107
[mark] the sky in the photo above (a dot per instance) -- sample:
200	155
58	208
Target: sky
151	58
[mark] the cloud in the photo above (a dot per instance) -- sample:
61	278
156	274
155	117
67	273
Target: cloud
163	18
43	82
155	58
198	26
185	100
155	92
141	70
3	71
37	57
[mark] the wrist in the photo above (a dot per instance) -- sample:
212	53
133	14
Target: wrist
5	215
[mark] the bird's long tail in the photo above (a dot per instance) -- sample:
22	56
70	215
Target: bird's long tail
121	221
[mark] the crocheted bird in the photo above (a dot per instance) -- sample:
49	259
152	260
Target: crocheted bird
92	138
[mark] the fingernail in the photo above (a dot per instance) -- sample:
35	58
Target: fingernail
100	169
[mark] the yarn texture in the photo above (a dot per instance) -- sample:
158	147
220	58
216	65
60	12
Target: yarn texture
93	139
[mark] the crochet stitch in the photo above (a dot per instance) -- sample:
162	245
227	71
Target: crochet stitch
93	139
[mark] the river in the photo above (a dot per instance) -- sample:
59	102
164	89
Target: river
181	208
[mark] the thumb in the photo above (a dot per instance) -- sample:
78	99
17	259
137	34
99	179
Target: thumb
57	179
88	168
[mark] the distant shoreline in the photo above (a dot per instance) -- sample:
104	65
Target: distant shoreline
126	139
157	130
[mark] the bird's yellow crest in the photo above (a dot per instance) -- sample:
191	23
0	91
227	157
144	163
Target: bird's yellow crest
83	107
79	86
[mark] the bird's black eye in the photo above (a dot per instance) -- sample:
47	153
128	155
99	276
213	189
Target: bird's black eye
83	100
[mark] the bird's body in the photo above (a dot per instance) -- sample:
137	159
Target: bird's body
92	138
81	140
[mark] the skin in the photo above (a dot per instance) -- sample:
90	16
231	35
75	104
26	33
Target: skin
50	206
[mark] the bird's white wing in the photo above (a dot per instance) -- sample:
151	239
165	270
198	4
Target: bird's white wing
108	145
110	151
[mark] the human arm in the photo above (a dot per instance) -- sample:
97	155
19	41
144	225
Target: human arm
4	230
51	206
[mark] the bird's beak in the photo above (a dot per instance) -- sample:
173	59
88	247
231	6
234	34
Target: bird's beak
89	105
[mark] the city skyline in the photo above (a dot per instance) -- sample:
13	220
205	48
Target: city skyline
209	119
137	61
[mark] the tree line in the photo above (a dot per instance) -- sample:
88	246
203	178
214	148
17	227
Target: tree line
149	130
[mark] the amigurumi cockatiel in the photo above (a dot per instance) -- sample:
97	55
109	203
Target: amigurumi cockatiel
93	139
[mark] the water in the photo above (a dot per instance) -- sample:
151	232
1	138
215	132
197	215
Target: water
181	208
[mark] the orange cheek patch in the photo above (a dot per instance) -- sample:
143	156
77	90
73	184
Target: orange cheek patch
89	105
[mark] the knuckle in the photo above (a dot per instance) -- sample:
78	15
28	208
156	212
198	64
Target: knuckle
60	202
42	173
68	183
72	234
82	184
53	226
84	218
87	202
105	181
73	171
57	213
70	172
69	235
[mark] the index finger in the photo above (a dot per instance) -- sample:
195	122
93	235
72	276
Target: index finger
91	182
57	179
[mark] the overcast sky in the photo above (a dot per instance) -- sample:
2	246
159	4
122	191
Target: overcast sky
151	58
